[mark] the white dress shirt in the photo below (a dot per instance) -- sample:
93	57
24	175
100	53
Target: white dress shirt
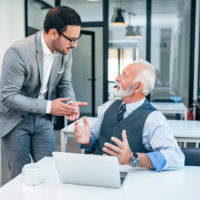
48	58
157	137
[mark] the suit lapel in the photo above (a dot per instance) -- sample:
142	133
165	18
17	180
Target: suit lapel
39	54
56	67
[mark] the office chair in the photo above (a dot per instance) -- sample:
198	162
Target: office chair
192	156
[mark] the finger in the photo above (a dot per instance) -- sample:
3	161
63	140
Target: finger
63	99
108	151
72	117
105	154
76	125
118	142
66	113
82	103
85	121
114	148
68	108
124	137
77	115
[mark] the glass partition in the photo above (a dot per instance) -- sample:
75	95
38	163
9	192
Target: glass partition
89	10
170	49
36	13
127	37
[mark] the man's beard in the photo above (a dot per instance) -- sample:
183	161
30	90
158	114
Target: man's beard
124	93
57	48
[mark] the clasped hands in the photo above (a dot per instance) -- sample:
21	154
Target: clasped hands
71	110
122	151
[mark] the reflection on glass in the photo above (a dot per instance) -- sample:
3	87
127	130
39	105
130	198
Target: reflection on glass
126	42
36	14
89	10
170	49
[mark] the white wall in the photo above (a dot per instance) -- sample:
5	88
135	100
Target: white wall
11	23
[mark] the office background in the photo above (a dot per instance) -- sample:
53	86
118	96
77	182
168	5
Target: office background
165	33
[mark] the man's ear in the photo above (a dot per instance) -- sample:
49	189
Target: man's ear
138	87
53	33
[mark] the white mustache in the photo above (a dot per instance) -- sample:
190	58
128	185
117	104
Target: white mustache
117	85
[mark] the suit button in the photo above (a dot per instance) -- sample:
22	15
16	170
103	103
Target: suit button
116	127
22	116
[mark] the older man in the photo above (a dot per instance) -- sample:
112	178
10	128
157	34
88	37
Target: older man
131	128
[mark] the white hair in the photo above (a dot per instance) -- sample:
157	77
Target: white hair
147	76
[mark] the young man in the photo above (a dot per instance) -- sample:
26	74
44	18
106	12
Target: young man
34	70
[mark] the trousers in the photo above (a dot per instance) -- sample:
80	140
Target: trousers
32	137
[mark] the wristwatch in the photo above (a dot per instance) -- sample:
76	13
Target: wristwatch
134	161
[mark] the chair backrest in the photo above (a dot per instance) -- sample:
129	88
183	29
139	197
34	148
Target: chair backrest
192	156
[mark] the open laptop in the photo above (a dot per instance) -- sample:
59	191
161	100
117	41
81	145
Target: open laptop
84	169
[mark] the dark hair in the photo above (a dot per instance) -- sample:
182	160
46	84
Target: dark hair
59	17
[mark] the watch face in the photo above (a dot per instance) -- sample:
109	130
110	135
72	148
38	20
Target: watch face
134	162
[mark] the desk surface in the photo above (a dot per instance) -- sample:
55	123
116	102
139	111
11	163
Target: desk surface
170	107
140	184
185	128
180	128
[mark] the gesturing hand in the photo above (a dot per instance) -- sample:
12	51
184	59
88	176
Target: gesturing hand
77	110
123	151
59	108
82	133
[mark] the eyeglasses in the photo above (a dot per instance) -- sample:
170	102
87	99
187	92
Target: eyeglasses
70	40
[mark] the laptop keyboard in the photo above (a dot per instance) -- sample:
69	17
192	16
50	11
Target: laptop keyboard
123	176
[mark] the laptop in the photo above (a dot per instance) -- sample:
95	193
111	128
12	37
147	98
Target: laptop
92	170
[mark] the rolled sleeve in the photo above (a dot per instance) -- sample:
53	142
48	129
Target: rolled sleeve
158	160
158	139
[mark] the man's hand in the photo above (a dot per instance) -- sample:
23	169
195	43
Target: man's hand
59	108
77	112
123	151
82	133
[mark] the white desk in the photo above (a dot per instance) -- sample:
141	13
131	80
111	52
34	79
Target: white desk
171	108
183	130
186	131
140	184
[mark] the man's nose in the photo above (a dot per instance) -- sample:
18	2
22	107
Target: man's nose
74	44
117	78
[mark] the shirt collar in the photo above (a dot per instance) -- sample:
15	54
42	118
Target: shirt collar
133	106
45	48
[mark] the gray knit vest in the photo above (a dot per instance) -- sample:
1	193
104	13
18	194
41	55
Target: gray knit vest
133	124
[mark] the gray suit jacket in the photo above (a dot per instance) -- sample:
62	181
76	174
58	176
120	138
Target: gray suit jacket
22	72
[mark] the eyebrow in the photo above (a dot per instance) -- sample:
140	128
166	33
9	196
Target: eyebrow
124	72
74	38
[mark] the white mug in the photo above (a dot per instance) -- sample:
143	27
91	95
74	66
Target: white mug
32	174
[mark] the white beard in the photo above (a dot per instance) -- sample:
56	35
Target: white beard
123	93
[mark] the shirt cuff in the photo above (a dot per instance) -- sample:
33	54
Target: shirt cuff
157	159
48	109
91	147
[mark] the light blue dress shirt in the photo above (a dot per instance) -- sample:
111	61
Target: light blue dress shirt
157	137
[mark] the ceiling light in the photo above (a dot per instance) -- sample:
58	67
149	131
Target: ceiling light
119	19
130	32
